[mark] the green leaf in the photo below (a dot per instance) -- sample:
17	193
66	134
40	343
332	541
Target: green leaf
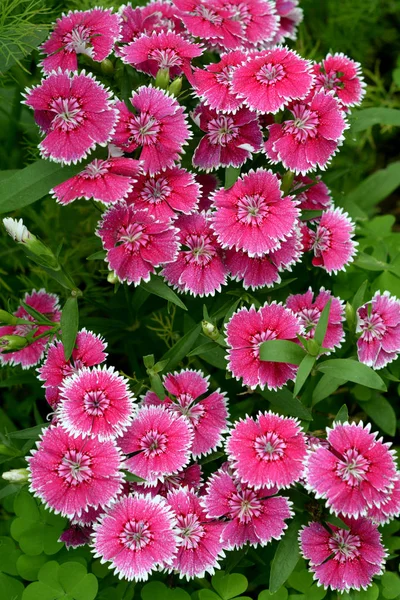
351	370
11	589
342	415
374	188
322	325
303	372
182	347
157	287
281	351
334	520
367	117
32	433
286	556
231	176
310	214
211	457
69	325
76	582
36	314
156	590
29	566
382	413
281	594
8	556
391	585
286	404
358	299
100	255
326	386
372	593
229	586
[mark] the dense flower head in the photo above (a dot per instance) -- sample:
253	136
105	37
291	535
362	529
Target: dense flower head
74	112
257	18
166	194
247	329
46	304
230	139
269	80
91	32
378	323
136	535
355	473
154	17
311	138
315	197
136	242
251	516
253	215
95	402
208	415
106	181
158	126
331	241
158	443
343	559
199	267
199	545
70	474
268	451
290	15
309	310
158	51
339	73
390	508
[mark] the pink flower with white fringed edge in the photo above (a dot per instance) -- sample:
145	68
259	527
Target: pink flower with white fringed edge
166	50
269	80
316	197
268	451
136	243
247	329
106	181
70	474
166	194
75	112
388	510
309	311
255	517
136	535
311	138
258	272
92	32
378	322
339	73
257	17
357	472
253	215
200	270
332	241
95	402
230	139
213	84
160	443
290	15
154	17
48	305
207	415
343	559
199	545
190	477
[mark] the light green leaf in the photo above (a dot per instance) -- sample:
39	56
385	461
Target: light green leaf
9	555
281	594
281	351
157	287
11	589
382	413
367	117
29	566
372	593
69	325
231	175
286	556
100	255
374	188
325	387
229	586
351	370
303	372
322	325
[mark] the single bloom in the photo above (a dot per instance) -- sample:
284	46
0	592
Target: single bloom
166	50
158	443
230	139
136	243
251	516
190	477
166	194
136	536
247	329
70	474
199	545
48	305
95	402
290	16
311	138
17	230
355	473
258	19
106	181
199	268
339	73
309	310
332	241
389	509
74	112
158	126
253	215
378	323
91	32
268	451
157	16
76	536
269	80
343	559
316	196
208	414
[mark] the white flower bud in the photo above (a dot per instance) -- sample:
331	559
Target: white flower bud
17	230
16	475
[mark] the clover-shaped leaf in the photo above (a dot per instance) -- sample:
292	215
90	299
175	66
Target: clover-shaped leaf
8	556
69	581
229	586
156	590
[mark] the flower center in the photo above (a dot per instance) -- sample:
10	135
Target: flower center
329	81
344	545
96	169
184	406
269	446
321	240
155	190
240	12
96	402
78	40
136	535
154	443
245	505
166	57
68	113
144	129
24	329
75	467
207	14
373	327
201	249
191	530
304	125
353	468
259	338
252	210
133	235
309	317
225	75
270	74
222	130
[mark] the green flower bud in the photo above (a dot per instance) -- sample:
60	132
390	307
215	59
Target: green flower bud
112	277
162	79
210	330
176	86
107	67
313	347
12	342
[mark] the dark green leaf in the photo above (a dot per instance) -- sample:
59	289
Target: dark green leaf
282	351
303	372
342	415
231	175
358	299
157	287
202	349
286	556
286	404
381	412
100	255
322	325
32	433
334	520
367	117
351	370
182	347
325	387
36	314
131	477
69	325
211	457
310	214
374	188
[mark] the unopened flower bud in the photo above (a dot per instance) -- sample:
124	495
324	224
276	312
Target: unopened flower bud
12	342
107	67
112	277
175	86
17	230
210	330
16	475
35	249
313	347
162	79
8	318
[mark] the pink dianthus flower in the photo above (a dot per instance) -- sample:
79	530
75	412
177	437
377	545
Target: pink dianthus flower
290	15
378	322
339	73
316	197
190	477
154	17
257	17
390	508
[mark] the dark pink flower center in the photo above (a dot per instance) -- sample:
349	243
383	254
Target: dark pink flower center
166	57
75	467
78	40
96	402
144	129
269	446
68	113
304	125
259	338
225	75
344	545
154	443
373	327
222	130
353	468
309	317
270	74
329	81
133	235
201	250
96	169
245	505
185	406
208	14
251	210
240	12
155	190
190	530
136	535
321	240
24	329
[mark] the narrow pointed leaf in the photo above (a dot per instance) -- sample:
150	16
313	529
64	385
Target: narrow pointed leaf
282	351
157	287
69	325
322	325
351	370
303	372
